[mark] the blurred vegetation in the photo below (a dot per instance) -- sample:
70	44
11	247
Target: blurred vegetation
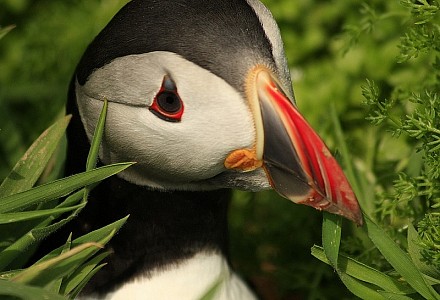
376	64
37	60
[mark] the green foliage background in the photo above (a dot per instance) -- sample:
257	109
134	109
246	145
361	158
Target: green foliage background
333	47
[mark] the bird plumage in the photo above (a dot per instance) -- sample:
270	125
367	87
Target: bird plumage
223	62
225	37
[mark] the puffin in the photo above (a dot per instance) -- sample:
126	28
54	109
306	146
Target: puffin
200	97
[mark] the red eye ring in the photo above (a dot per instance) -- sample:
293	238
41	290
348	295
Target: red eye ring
167	104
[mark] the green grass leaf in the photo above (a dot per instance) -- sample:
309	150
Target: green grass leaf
357	180
364	273
29	168
331	237
81	275
78	271
414	252
41	274
393	296
24	175
24	292
55	285
213	290
40	232
20	246
359	288
5	30
8	218
58	188
96	235
60	263
83	283
399	259
92	158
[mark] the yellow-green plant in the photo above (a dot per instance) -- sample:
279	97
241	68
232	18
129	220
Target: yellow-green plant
407	208
29	213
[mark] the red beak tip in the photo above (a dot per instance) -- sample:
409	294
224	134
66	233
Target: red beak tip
352	215
348	209
356	218
298	164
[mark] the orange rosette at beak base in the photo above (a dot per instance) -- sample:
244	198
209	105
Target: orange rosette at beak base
243	159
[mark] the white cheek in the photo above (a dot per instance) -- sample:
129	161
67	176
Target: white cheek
126	81
168	153
216	121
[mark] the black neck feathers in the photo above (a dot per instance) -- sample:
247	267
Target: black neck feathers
163	228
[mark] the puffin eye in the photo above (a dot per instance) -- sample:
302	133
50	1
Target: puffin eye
167	104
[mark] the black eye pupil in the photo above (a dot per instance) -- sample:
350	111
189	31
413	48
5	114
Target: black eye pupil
169	102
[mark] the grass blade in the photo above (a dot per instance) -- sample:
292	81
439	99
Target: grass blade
21	291
55	286
393	296
5	30
43	273
414	252
74	294
211	293
399	259
362	187
29	168
58	188
92	158
331	237
9	218
19	247
81	273
90	237
360	289
342	146
48	272
364	273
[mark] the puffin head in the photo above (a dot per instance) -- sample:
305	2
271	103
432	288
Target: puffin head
200	97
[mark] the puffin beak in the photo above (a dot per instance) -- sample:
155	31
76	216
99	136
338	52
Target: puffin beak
298	164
